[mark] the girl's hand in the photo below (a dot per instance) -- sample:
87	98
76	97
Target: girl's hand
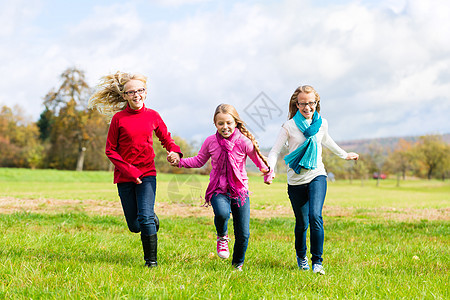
173	158
138	181
269	175
352	156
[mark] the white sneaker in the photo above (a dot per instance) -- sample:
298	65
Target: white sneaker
222	246
318	269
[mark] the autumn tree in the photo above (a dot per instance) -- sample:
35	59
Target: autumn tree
443	169
433	153
401	159
74	129
19	145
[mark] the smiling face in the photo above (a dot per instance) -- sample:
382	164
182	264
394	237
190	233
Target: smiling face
225	124
306	104
135	93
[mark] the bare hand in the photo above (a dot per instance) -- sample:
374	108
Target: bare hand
269	175
173	158
352	156
138	181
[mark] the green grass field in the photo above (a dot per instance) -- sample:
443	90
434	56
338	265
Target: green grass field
383	242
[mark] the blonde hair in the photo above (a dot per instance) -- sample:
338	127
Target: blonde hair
294	98
229	109
109	97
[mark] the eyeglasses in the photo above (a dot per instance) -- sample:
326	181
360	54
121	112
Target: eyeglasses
310	104
132	93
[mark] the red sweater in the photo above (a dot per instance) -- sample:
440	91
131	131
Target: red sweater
129	145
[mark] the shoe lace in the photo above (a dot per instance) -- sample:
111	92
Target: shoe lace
304	263
222	243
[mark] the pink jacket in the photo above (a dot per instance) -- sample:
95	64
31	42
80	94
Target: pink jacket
211	149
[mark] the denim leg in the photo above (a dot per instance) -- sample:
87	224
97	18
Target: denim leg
145	196
222	208
298	195
241	222
317	190
138	202
127	196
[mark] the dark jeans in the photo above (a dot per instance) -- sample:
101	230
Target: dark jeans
307	202
223	205
138	203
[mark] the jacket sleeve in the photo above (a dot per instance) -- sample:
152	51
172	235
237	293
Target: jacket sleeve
199	160
126	169
164	136
281	140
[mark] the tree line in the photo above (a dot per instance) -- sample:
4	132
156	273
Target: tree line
70	136
428	157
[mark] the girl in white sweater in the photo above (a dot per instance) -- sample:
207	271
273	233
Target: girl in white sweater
305	132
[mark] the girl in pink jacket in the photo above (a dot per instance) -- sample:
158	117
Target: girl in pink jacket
227	191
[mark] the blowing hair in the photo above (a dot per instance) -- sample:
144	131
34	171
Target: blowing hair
294	98
229	109
109	96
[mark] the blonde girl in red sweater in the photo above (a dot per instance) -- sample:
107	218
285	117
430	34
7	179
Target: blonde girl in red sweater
129	146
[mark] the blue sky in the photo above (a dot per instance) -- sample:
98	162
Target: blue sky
382	68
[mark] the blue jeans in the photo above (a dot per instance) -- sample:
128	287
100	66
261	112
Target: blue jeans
223	205
307	202
138	203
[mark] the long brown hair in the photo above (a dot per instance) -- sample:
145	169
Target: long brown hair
294	98
229	109
109	96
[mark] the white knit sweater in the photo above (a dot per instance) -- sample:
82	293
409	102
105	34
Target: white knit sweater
294	137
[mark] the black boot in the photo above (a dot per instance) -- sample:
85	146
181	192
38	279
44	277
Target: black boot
156	222
150	245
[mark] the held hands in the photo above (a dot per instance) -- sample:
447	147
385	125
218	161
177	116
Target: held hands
173	158
269	175
352	156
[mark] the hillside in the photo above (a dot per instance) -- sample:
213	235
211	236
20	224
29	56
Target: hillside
389	143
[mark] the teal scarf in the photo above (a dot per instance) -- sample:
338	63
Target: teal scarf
305	156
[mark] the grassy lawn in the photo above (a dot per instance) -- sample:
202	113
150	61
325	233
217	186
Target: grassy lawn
378	243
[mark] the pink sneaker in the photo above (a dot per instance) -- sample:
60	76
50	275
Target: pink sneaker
222	247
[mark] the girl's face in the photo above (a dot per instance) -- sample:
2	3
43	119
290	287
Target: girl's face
306	104
225	124
135	93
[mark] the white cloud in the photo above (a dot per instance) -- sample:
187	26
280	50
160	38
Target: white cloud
178	3
15	14
369	62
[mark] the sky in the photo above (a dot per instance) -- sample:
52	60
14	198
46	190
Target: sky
381	67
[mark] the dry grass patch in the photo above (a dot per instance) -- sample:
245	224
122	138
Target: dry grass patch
10	205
